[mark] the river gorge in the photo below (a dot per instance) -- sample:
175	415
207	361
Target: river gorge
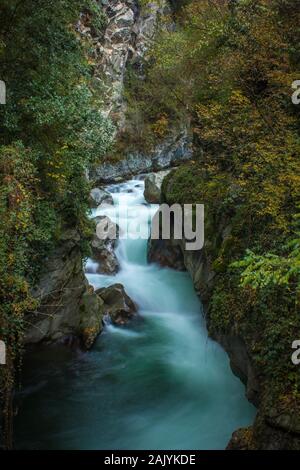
157	383
112	108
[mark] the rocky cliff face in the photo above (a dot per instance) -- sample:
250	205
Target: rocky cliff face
272	429
153	183
171	152
129	32
69	308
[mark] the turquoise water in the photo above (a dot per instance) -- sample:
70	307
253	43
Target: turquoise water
160	383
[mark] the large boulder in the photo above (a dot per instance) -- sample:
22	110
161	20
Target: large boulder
103	245
99	196
117	304
69	309
153	183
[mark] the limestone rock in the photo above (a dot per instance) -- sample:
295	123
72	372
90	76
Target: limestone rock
153	183
273	428
67	302
103	245
100	196
91	318
117	304
171	152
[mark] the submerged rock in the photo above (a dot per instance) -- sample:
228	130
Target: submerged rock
153	183
117	304
99	196
103	245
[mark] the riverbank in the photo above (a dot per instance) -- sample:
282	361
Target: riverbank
245	318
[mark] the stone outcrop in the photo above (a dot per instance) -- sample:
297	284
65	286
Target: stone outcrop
91	317
166	253
169	153
112	53
69	308
153	183
129	31
117	304
271	430
103	245
100	196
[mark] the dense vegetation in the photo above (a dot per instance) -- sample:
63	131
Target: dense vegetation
229	68
51	130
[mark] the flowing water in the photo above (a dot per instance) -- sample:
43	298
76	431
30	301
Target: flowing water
159	383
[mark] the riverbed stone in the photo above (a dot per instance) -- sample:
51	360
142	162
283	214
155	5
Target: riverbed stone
153	183
103	249
117	304
91	317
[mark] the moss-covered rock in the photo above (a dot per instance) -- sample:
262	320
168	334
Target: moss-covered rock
153	183
68	306
91	317
117	304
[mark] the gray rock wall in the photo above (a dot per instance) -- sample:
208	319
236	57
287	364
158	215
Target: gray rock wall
67	303
129	32
169	153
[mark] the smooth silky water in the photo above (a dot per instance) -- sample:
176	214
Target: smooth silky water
159	383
